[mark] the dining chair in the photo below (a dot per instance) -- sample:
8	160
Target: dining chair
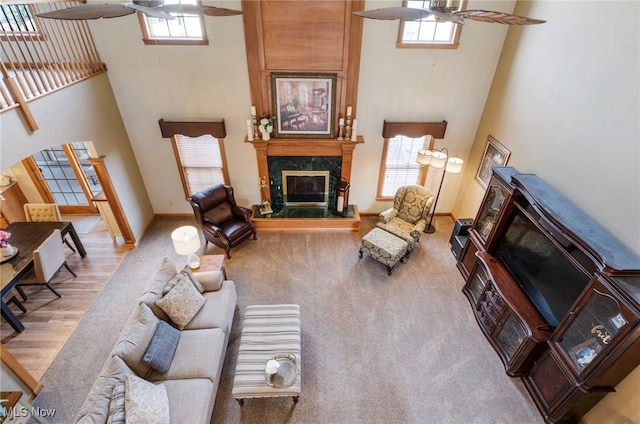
48	258
44	212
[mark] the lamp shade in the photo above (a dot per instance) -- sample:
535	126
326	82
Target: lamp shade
424	157
186	240
454	165
438	159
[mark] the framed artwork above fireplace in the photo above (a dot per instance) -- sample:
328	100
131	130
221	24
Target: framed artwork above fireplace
304	104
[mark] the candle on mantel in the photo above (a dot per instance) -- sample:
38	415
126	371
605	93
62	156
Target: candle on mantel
253	111
349	111
340	205
354	128
341	121
249	130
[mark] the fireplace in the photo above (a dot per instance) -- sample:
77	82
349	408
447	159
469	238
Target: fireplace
305	188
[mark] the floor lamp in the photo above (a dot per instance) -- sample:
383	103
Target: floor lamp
438	159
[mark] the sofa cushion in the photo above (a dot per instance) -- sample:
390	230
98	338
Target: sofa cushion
200	354
145	403
182	303
162	347
136	338
153	290
185	274
191	400
162	276
218	310
210	280
116	406
95	408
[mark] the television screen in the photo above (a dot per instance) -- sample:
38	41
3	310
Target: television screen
544	273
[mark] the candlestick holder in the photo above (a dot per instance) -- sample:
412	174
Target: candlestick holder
340	128
254	120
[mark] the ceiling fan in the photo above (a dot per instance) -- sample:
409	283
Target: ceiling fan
151	8
446	11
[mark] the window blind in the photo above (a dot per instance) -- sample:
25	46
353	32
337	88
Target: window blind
400	166
201	161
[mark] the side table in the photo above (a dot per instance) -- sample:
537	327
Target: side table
213	263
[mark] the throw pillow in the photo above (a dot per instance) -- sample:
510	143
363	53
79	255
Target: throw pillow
159	354
116	405
165	272
136	339
210	280
182	303
145	402
184	274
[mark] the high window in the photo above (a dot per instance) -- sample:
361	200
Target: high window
201	161
17	18
428	33
398	166
183	29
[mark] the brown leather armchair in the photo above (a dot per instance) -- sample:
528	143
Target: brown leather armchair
223	223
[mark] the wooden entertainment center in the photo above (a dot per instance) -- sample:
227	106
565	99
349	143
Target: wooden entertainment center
556	295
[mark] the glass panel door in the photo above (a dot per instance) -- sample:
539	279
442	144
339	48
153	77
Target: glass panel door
66	177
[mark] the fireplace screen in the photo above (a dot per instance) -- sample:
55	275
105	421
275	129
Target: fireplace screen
305	188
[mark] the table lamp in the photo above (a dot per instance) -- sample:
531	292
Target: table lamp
186	241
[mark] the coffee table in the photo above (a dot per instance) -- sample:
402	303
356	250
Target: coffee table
268	332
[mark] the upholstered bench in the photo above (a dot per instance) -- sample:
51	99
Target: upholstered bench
268	331
385	247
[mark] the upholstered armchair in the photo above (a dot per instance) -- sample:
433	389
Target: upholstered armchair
407	218
223	223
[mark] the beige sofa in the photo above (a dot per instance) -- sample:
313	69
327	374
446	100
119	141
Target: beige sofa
192	378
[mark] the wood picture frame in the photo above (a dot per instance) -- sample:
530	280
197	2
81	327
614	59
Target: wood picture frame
304	104
495	154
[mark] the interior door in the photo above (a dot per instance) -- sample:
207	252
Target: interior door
64	175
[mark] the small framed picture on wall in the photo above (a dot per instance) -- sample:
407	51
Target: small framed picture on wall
495	154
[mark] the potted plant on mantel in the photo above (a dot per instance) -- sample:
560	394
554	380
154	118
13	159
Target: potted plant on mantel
266	126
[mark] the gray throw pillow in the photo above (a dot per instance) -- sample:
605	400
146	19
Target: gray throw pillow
164	342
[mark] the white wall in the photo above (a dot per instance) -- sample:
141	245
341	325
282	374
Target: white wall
566	102
186	83
85	111
200	82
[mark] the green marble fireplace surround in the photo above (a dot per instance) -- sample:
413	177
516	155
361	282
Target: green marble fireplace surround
277	164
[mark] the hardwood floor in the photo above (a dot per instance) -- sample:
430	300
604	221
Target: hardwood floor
49	320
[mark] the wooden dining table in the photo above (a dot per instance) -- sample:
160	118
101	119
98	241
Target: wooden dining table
27	237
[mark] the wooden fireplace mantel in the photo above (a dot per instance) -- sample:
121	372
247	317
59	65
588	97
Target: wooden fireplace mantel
304	147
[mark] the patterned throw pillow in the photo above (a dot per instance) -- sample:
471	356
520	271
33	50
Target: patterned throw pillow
116	405
182	275
182	303
145	403
159	354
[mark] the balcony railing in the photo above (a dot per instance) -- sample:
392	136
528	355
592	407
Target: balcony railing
39	56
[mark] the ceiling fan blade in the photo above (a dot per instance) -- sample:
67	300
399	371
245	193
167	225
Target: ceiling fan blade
447	17
153	12
391	13
497	17
199	9
88	11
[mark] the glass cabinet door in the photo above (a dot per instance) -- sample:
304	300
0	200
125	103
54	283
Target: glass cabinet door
596	323
477	283
489	212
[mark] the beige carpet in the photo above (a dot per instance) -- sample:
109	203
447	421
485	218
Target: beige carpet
403	348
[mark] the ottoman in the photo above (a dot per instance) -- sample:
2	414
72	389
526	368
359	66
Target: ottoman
384	247
268	331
